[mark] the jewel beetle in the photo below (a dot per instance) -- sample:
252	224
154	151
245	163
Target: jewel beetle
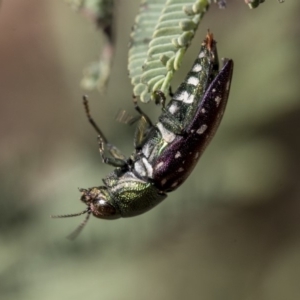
165	153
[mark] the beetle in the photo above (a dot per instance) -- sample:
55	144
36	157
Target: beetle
165	153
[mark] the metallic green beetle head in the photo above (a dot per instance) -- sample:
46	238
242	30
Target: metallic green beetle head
99	203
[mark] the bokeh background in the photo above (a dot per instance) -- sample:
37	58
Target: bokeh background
232	231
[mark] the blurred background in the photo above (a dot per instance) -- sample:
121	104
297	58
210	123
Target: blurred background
232	231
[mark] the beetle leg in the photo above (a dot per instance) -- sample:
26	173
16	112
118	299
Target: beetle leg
143	126
91	120
125	118
139	110
159	98
141	131
171	94
117	159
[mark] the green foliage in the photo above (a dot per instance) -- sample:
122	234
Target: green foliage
161	35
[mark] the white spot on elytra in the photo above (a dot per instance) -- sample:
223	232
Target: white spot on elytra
203	110
180	169
163	181
197	68
201	55
192	131
227	85
173	108
218	100
181	96
202	129
193	81
189	99
167	135
196	155
213	90
178	154
159	165
174	184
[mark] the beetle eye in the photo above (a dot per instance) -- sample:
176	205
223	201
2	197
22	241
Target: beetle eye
104	210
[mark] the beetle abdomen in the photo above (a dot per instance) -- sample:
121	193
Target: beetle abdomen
179	157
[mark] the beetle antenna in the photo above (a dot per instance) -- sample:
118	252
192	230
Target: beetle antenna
139	110
71	215
73	235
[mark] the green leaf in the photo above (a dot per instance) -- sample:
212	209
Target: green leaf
163	31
